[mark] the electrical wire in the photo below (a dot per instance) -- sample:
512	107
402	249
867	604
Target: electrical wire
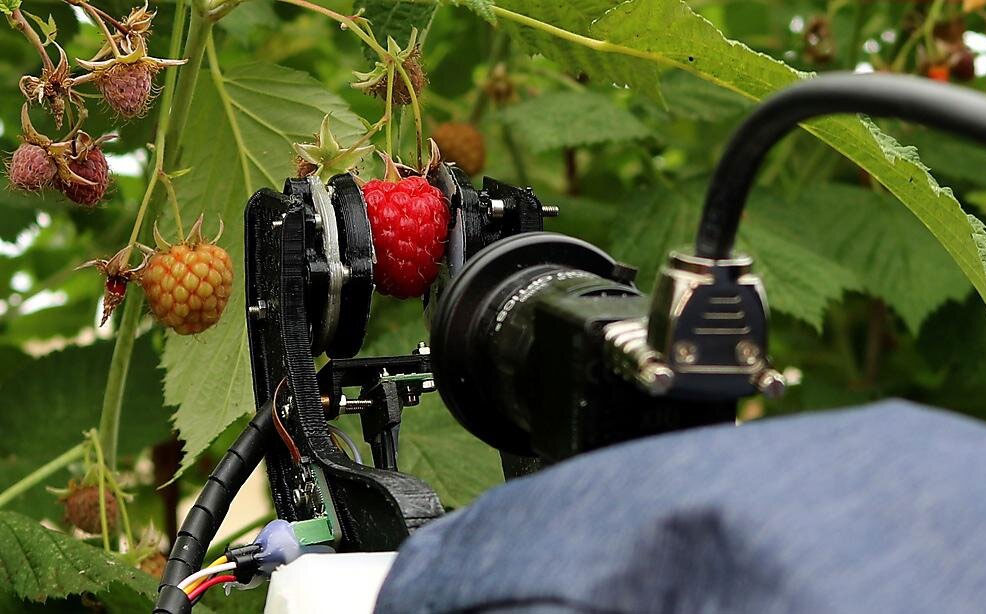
202	573
279	427
353	449
218	561
953	109
202	588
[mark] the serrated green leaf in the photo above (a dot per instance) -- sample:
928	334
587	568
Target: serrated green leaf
559	119
881	243
232	153
395	19
643	36
37	563
799	281
49	29
7	7
483	8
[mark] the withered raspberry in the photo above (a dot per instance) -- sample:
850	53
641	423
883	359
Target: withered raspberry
463	144
127	88
415	73
31	168
91	166
82	508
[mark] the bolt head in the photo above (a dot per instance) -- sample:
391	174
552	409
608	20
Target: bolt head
685	352
747	353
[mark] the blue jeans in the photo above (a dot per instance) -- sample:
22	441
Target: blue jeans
875	509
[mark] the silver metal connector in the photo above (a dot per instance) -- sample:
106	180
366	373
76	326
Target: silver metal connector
630	356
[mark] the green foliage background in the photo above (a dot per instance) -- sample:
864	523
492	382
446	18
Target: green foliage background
872	276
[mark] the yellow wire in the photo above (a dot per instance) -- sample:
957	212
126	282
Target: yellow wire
191	587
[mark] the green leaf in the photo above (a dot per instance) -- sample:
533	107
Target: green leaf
7	7
233	150
395	19
49	29
558	120
690	97
37	564
799	281
483	8
643	36
882	244
66	388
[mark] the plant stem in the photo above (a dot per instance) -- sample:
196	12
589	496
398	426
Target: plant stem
390	109
116	379
199	28
42	473
101	469
175	103
102	26
347	22
170	188
18	21
415	108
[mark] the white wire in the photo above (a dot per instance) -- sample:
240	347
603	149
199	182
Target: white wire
208	571
349	442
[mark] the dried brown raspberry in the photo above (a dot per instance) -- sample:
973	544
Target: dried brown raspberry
127	88
90	165
31	167
416	75
463	144
82	508
303	167
154	564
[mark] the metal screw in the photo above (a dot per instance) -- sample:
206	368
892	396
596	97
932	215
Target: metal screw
771	383
354	406
550	211
497	207
656	377
747	353
685	352
258	311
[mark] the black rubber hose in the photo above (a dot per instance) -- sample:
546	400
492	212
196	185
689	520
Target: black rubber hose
210	509
949	108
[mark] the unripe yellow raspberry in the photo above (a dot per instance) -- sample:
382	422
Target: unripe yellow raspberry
188	285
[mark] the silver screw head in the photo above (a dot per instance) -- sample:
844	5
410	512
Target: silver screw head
685	352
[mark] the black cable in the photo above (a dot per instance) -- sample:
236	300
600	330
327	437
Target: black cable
949	108
210	509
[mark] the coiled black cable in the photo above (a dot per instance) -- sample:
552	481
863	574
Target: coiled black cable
953	109
203	520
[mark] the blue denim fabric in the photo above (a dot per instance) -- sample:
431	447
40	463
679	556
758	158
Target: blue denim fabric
877	509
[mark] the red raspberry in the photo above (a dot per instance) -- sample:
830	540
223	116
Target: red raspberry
92	166
409	220
31	168
126	88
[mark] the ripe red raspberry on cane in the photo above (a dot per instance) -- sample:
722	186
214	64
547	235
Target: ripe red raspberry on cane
409	219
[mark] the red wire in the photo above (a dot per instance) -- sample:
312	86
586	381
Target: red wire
202	588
